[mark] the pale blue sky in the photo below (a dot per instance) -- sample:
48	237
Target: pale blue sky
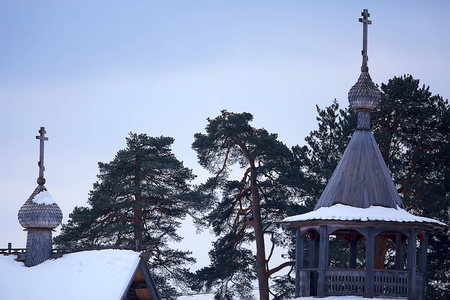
92	71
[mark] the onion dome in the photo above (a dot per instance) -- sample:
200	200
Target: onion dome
40	210
364	95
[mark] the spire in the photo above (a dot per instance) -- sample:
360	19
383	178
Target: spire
364	96
361	179
39	215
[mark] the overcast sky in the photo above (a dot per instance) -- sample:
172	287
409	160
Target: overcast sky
92	71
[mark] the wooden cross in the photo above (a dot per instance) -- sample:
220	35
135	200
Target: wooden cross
365	21
42	138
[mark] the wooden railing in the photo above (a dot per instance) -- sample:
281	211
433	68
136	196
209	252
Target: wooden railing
340	282
391	283
58	252
308	282
11	250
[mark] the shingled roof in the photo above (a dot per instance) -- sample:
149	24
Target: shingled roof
361	178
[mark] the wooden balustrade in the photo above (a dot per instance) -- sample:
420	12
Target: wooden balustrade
341	282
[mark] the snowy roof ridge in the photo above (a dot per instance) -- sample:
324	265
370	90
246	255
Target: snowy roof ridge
343	212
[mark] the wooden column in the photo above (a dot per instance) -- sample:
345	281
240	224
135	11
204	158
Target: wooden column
323	261
299	241
352	251
423	261
370	262
412	264
314	261
399	252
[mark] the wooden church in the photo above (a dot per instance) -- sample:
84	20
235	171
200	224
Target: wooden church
74	274
361	208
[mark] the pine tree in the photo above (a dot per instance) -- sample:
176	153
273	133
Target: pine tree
243	211
412	128
138	201
324	148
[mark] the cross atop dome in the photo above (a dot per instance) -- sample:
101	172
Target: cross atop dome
364	96
42	138
365	20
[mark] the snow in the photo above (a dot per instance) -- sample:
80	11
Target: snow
103	274
44	197
211	297
350	213
344	298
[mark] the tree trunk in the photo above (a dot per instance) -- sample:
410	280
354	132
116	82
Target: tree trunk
137	223
137	209
263	277
381	248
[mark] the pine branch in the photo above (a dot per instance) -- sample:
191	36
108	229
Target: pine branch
280	267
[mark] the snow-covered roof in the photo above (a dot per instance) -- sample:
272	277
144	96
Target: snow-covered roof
103	274
349	213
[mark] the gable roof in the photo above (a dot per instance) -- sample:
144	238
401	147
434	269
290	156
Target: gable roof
103	274
361	179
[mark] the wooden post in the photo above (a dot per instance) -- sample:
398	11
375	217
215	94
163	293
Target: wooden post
399	252
323	262
370	263
352	251
299	241
423	261
313	261
412	264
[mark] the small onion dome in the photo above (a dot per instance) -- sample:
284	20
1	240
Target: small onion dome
40	211
364	95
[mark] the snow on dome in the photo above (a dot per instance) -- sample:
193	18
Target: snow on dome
350	213
44	197
36	215
103	274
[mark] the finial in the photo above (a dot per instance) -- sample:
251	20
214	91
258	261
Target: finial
364	96
365	15
42	138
